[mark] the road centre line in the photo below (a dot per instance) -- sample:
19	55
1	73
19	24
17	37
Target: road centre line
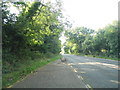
88	86
80	77
74	70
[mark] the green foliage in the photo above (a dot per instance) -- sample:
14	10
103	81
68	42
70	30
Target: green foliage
76	38
35	28
104	42
32	34
15	73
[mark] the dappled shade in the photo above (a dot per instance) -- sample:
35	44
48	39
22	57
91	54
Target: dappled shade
103	42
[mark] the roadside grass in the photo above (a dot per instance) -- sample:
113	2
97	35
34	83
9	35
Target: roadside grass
109	58
104	57
26	68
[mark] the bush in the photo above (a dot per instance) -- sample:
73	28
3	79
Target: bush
49	54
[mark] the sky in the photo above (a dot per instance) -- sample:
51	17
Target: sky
93	14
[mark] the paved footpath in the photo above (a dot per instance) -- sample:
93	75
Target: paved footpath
54	75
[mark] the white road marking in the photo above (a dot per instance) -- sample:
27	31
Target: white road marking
74	70
80	77
88	86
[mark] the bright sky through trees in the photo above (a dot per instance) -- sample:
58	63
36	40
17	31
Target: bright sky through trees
93	14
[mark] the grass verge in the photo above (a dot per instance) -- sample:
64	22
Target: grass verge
109	58
26	68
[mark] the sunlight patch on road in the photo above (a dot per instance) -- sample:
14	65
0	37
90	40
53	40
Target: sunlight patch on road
104	64
114	81
96	63
82	72
74	70
70	64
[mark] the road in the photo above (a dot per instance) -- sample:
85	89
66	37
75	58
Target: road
95	72
76	72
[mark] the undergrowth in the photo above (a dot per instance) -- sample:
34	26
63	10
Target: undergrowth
17	67
100	56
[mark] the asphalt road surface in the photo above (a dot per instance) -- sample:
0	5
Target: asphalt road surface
95	72
76	72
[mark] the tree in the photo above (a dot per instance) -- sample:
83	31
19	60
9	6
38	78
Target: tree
103	42
37	27
77	37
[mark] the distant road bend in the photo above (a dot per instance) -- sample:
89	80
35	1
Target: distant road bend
76	72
